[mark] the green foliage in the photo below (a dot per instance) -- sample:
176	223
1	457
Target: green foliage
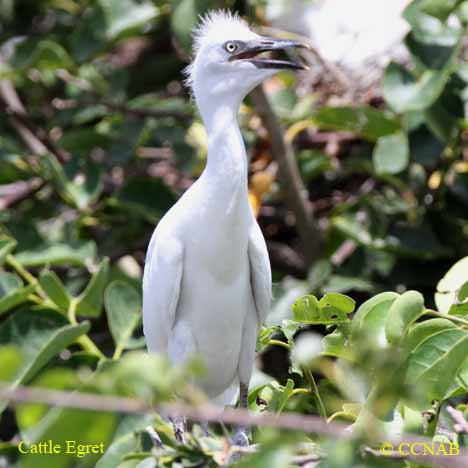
119	142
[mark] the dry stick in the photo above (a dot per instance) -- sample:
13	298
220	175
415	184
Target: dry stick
23	191
210	413
12	101
29	134
39	134
295	191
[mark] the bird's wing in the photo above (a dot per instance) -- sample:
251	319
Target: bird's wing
161	288
260	272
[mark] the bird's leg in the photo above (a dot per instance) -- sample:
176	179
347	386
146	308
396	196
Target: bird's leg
179	425
241	437
205	427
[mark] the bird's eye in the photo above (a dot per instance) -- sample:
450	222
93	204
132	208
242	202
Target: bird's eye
230	47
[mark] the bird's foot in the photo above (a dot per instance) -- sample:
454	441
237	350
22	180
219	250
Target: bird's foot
240	439
179	429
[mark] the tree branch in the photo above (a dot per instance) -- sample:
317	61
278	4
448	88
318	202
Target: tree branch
295	191
210	413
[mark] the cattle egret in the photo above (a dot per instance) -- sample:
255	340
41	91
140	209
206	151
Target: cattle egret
207	279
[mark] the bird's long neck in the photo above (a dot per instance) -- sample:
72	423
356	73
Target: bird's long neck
227	160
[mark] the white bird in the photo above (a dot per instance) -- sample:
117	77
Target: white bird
207	279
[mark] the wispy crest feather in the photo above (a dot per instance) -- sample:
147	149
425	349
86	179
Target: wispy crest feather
214	26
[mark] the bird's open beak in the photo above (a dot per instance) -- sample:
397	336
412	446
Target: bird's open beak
251	49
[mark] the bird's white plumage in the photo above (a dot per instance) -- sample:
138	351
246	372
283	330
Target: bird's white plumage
207	279
218	26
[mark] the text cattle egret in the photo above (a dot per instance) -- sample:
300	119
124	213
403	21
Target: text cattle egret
207	279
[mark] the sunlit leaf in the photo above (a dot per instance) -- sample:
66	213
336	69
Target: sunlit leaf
451	293
370	319
403	92
433	365
406	309
391	154
38	337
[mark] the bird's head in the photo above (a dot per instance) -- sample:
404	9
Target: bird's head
228	63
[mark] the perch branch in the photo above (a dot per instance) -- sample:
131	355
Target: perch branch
208	413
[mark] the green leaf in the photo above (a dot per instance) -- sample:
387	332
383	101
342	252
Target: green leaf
147	196
107	21
391	154
336	344
6	246
117	450
403	312
370	319
54	288
11	291
9	282
77	187
364	121
72	429
38	336
264	336
404	93
75	253
451	290
306	309
185	17
11	360
29	415
338	301
89	302
420	331
434	364
123	307
275	454
429	24
42	55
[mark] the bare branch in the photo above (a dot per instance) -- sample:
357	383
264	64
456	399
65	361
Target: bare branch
210	413
295	192
20	191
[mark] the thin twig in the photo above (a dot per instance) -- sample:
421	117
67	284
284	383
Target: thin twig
48	145
23	190
295	192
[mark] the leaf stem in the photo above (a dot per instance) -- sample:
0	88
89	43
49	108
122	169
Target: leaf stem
453	318
84	340
314	390
118	351
11	260
279	343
